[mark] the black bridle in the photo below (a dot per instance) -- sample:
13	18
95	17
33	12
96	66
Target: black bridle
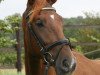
45	50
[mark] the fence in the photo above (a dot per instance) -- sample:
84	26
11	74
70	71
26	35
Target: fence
82	27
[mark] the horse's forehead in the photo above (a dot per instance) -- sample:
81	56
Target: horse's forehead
49	16
52	16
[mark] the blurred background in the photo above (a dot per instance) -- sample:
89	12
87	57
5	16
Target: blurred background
81	21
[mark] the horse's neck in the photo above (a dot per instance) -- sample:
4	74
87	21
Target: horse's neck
79	56
85	66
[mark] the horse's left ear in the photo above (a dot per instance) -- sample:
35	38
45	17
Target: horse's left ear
51	1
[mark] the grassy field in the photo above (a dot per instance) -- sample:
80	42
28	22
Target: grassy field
11	72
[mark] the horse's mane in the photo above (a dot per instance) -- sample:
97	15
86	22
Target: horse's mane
36	5
31	2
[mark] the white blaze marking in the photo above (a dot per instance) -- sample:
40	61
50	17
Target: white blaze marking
52	16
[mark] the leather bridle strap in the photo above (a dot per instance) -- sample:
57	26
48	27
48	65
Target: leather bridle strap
60	42
39	40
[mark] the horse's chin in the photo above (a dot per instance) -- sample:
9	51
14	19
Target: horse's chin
64	73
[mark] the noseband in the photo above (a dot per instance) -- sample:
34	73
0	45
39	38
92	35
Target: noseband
45	50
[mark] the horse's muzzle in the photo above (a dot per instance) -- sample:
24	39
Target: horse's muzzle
66	68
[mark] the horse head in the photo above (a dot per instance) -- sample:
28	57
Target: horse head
46	27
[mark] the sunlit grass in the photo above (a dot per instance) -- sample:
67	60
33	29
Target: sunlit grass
11	72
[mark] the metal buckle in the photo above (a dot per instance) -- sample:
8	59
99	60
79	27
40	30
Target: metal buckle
48	58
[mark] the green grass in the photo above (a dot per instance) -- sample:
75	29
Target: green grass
11	72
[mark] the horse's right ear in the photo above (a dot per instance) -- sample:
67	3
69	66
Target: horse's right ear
51	1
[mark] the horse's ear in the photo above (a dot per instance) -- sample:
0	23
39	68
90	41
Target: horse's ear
30	2
51	1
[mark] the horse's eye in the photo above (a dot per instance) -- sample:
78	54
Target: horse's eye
39	23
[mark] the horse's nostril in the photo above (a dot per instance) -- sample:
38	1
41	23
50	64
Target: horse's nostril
65	63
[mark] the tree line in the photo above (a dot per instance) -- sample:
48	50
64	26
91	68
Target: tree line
86	34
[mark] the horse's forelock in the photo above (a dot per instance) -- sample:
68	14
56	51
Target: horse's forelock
30	2
51	1
38	5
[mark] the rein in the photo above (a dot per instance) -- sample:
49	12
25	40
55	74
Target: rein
45	49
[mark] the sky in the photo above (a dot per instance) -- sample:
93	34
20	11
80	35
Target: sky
66	8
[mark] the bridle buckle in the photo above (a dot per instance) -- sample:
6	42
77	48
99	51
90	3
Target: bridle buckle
48	58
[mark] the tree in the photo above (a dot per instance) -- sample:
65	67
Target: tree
92	18
15	21
7	30
1	0
83	35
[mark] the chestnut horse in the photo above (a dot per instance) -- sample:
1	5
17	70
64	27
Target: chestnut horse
47	51
85	66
